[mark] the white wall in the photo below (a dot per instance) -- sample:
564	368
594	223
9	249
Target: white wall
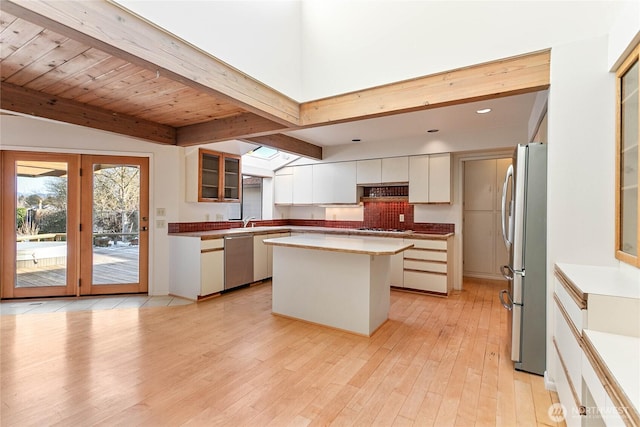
259	38
310	49
581	154
581	168
390	40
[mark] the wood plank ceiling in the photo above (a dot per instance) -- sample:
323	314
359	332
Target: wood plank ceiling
95	64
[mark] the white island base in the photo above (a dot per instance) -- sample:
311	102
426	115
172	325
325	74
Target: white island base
338	282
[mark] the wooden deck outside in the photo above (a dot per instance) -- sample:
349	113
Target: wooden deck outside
117	264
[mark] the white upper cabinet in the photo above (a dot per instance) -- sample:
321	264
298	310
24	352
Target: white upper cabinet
395	169
334	183
383	171
369	171
430	178
419	179
322	184
440	178
303	185
344	183
283	187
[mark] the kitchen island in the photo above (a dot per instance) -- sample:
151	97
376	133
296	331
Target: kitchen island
341	282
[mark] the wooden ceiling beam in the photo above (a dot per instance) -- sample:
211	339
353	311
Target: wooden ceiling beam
240	126
112	29
511	76
29	102
289	144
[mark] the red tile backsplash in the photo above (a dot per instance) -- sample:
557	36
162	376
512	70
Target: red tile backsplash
385	215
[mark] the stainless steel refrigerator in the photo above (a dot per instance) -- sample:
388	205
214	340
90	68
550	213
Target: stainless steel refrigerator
524	229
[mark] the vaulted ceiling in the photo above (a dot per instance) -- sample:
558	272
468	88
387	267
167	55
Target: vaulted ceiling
95	64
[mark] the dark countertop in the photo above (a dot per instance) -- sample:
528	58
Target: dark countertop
219	234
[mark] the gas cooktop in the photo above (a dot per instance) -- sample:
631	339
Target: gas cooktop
388	230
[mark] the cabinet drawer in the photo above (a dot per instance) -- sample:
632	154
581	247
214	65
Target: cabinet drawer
427	255
568	347
211	244
425	281
428	244
434	267
566	394
598	393
576	315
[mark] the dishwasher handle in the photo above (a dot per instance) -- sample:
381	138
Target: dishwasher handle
241	236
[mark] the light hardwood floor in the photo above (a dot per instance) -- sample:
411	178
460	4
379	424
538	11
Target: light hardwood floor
229	361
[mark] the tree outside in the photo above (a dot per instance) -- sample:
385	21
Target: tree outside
116	204
116	200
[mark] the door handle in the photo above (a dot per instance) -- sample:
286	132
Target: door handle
507	272
144	228
506	234
506	305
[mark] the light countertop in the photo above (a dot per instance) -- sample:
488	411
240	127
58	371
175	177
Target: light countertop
612	281
218	234
620	355
341	244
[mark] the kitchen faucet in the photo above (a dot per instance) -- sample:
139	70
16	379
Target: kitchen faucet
246	220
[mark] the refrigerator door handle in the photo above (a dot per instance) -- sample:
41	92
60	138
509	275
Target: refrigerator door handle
506	234
506	305
507	272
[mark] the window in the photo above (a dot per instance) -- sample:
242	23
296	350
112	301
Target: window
627	160
251	196
264	152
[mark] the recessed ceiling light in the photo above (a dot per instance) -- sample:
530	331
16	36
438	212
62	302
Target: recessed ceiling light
433	130
356	140
483	111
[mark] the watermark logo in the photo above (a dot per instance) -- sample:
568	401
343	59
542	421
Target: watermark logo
557	412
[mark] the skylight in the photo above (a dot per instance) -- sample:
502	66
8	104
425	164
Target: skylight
264	152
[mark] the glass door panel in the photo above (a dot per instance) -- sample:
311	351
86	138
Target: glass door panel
38	195
116	232
231	178
115	217
41	223
210	176
629	162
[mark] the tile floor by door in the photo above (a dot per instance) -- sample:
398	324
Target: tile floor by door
50	305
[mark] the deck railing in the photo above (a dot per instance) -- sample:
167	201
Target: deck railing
99	239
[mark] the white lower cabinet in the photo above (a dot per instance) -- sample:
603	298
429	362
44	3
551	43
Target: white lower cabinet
584	389
211	267
396	267
263	256
197	267
428	266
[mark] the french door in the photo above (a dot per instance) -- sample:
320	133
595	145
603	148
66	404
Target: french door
73	224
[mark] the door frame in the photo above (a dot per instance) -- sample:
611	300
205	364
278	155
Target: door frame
75	261
86	287
459	161
8	276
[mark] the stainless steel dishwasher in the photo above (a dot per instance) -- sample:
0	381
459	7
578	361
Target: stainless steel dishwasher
238	260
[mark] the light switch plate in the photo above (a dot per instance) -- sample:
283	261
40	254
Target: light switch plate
160	223
401	217
160	212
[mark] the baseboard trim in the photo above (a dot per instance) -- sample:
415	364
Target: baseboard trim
549	384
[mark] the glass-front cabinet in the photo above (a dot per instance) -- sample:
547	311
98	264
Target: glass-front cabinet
232	178
627	160
218	177
209	175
